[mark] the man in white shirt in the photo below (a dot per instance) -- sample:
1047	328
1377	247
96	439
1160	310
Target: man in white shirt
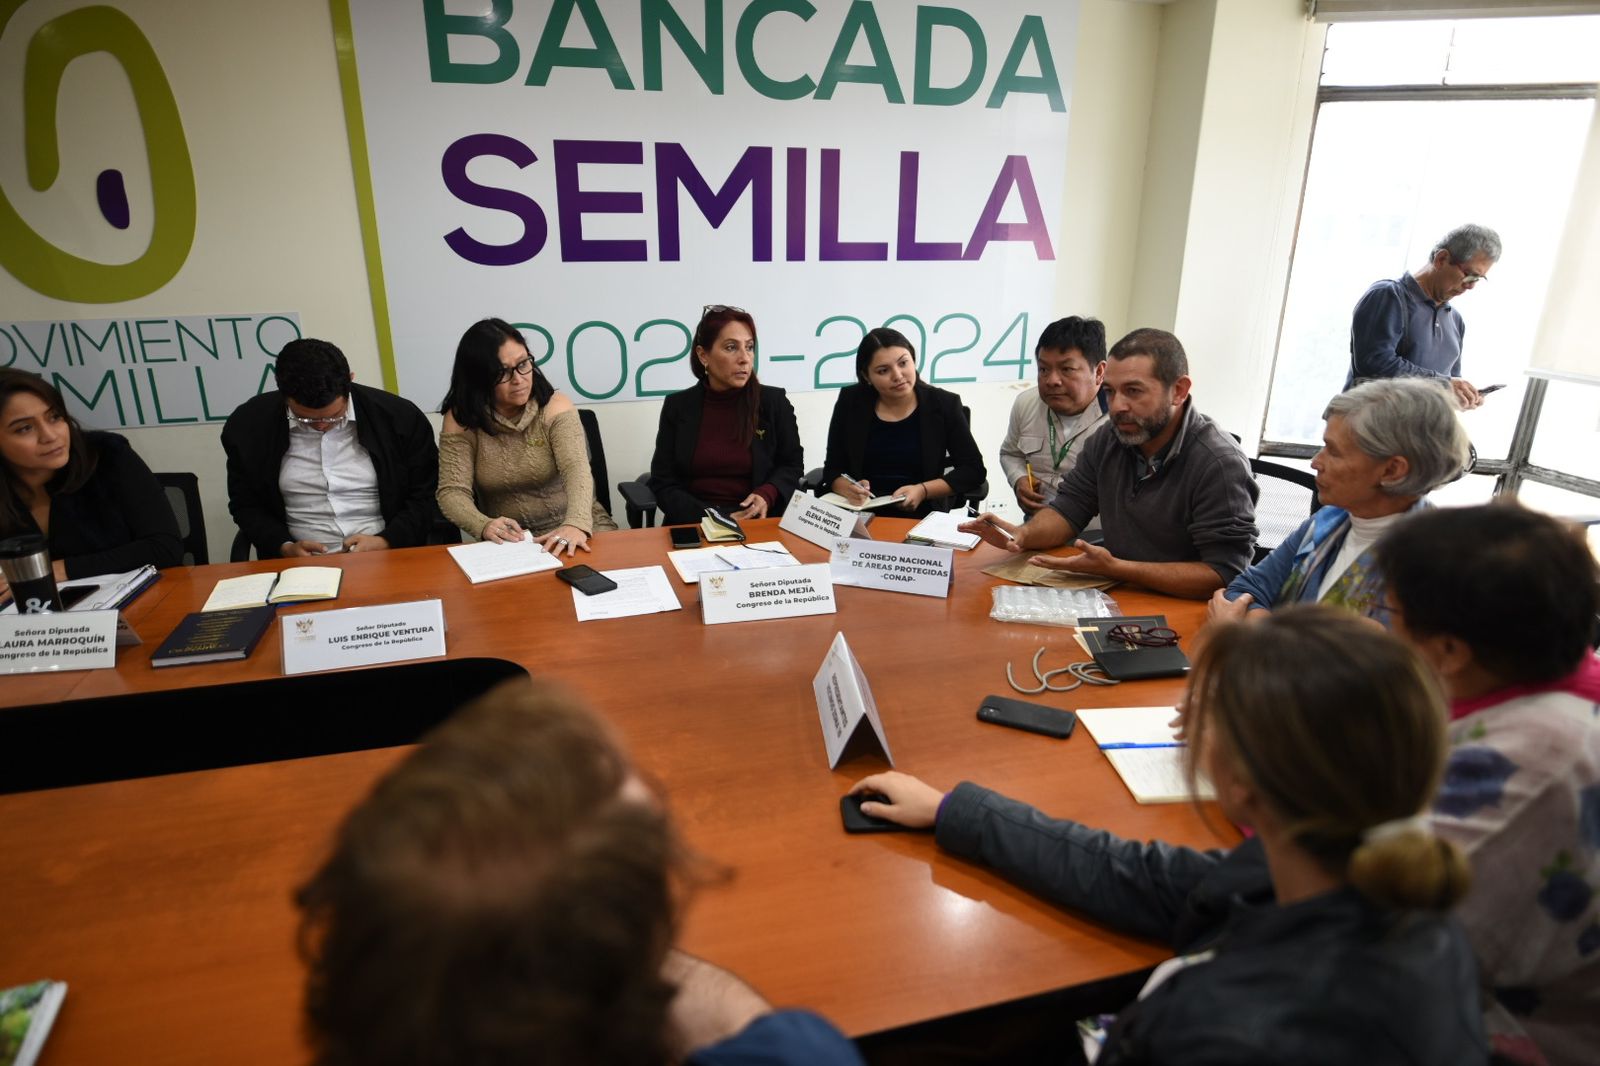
326	465
1050	423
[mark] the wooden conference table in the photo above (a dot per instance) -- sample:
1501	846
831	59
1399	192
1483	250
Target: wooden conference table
165	901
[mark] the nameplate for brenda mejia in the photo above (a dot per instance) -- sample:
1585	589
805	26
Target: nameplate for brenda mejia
876	564
362	636
50	643
781	592
822	523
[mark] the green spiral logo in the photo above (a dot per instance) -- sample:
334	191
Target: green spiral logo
33	260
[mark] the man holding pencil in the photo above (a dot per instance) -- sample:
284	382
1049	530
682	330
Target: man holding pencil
1050	423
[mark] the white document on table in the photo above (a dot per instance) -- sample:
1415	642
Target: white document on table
690	563
756	556
640	590
488	561
1141	746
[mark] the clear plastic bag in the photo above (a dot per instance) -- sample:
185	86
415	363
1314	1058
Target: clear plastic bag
1043	606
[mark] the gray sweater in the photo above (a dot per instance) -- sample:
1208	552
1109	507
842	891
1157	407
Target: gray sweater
1198	506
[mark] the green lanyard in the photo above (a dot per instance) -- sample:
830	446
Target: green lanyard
1058	454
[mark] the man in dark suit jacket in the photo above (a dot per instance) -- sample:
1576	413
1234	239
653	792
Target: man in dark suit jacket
324	465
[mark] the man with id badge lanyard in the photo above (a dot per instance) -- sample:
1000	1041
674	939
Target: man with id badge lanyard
1050	423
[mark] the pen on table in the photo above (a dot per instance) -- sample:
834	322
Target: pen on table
1033	482
1129	744
1005	532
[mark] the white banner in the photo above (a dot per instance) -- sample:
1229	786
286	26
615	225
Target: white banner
596	172
123	373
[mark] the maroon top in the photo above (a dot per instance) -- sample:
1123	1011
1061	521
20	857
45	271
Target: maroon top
721	464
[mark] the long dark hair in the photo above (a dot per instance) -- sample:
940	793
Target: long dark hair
81	456
470	398
712	322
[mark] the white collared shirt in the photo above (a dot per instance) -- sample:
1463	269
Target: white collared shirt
329	485
1028	440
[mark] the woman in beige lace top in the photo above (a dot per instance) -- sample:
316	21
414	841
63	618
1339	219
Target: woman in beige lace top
512	456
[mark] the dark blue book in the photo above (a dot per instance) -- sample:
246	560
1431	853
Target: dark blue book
214	636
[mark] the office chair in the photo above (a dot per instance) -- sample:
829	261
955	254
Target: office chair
597	456
183	495
1288	495
639	500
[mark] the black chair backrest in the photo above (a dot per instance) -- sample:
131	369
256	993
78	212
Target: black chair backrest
597	457
183	494
1288	495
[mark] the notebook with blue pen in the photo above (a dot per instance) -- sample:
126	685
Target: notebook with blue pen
1146	752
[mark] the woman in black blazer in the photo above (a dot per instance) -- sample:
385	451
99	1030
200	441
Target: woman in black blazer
727	441
893	435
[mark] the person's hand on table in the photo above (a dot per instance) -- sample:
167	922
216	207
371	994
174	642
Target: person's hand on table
565	540
299	549
857	492
751	507
914	496
1029	498
993	530
1467	394
1093	560
365	542
912	803
502	530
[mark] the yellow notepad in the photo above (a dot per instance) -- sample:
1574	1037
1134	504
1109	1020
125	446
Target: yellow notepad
298	584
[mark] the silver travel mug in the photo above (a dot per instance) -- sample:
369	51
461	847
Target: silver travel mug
25	562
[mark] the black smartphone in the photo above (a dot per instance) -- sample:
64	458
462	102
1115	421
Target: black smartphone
1487	389
586	579
1032	717
686	536
856	822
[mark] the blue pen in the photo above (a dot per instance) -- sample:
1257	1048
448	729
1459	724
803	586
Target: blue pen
1162	744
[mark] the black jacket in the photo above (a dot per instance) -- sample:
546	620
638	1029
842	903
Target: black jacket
1329	980
775	455
392	430
946	439
117	520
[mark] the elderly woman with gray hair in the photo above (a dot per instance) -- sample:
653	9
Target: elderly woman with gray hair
1386	444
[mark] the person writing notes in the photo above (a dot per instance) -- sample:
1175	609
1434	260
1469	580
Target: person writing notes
512	454
322	464
727	441
894	435
1173	491
1326	937
91	497
1050	423
1386	444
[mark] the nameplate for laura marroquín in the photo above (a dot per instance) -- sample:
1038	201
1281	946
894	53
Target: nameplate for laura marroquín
51	643
748	595
822	523
362	636
876	564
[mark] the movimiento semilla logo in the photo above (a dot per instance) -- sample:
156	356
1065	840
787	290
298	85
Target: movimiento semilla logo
33	260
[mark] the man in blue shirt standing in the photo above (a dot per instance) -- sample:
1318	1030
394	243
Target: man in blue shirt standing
1407	328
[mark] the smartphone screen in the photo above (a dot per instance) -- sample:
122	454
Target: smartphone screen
586	579
685	537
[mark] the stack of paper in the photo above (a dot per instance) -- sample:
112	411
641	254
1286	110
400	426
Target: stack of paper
488	561
939	529
640	590
1142	747
690	563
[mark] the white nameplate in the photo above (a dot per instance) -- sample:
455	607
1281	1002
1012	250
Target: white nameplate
822	523
747	595
362	636
843	699
876	564
71	640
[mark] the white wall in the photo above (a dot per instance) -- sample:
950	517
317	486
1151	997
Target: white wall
1163	221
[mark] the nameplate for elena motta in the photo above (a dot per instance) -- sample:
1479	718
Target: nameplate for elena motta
46	643
843	699
876	564
362	636
748	595
822	523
